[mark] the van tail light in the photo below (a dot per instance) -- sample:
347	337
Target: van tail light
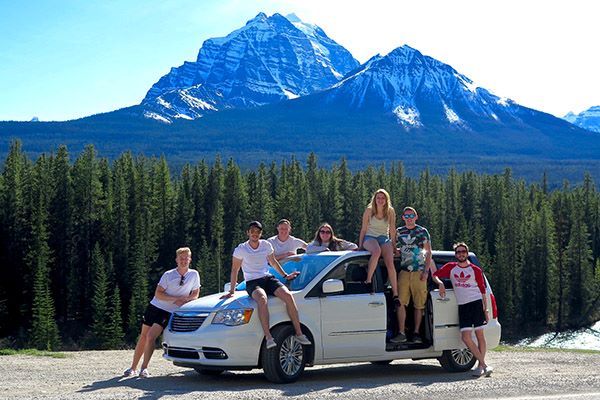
494	306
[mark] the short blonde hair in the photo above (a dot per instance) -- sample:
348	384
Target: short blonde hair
183	250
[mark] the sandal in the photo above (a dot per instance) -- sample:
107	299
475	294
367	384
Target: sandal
370	286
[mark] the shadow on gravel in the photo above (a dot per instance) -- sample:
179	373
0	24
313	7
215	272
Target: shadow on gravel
337	379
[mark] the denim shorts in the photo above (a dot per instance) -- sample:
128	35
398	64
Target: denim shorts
380	239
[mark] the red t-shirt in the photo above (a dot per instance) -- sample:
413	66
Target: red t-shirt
468	282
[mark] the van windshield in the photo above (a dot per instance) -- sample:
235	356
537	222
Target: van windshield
309	266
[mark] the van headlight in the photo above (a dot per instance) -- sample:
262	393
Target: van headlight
233	317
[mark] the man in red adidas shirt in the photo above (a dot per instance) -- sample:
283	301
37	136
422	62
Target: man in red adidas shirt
469	288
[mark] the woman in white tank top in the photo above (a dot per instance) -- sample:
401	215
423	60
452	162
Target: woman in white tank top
378	236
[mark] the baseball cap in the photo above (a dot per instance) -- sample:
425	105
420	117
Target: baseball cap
255	224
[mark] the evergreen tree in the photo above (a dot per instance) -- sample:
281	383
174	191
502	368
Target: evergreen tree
44	331
581	278
101	334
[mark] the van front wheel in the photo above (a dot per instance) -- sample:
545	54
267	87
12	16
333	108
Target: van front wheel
285	362
457	360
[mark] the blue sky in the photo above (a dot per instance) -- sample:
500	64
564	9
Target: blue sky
68	59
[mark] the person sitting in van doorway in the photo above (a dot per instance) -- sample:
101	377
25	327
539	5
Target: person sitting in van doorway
254	257
469	288
414	244
284	244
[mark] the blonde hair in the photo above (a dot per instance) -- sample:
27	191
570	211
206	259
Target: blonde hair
386	208
460	244
183	250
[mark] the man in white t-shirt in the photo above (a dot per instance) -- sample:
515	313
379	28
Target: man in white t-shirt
176	287
284	244
254	257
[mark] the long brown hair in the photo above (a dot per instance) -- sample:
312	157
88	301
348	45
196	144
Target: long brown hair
386	208
334	242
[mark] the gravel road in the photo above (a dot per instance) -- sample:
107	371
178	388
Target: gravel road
96	375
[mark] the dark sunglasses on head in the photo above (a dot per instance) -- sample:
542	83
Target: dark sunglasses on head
181	280
408	216
325	231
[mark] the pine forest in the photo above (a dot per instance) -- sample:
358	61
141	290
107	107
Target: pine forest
84	240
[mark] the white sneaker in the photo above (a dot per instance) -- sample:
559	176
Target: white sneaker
488	371
129	372
303	340
144	373
477	372
271	343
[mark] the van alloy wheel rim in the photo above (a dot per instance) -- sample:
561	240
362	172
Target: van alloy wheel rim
290	356
462	356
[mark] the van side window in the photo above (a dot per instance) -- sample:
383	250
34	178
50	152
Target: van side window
352	273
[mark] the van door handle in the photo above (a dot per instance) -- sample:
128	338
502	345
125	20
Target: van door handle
375	303
442	299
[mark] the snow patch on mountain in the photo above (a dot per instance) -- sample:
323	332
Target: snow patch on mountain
409	117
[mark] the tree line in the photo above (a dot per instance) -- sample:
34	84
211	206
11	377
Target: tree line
83	242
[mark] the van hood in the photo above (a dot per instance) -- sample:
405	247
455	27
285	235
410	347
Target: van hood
214	302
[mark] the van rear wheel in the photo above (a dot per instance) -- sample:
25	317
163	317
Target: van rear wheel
457	360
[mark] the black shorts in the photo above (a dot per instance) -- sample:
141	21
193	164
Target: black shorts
471	315
268	283
154	315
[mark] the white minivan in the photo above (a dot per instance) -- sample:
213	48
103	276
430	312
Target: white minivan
339	314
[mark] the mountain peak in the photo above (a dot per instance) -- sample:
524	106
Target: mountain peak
268	60
292	17
588	119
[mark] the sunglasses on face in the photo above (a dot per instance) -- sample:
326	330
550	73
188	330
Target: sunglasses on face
460	252
409	216
182	280
325	232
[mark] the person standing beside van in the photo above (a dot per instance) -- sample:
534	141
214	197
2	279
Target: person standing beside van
469	288
414	244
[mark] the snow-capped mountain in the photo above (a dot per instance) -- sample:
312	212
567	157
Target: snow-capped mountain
588	119
422	91
268	60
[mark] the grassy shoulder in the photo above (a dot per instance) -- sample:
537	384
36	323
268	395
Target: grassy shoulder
508	348
32	352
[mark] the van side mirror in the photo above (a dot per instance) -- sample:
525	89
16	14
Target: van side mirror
227	287
332	286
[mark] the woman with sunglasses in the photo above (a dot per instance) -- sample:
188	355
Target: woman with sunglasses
378	237
176	287
325	240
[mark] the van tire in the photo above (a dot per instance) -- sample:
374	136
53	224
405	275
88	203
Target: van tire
275	367
457	360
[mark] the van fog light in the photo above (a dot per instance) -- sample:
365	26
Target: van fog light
233	317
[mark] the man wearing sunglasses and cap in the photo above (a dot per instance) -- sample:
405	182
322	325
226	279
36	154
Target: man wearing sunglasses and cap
176	287
254	257
414	244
